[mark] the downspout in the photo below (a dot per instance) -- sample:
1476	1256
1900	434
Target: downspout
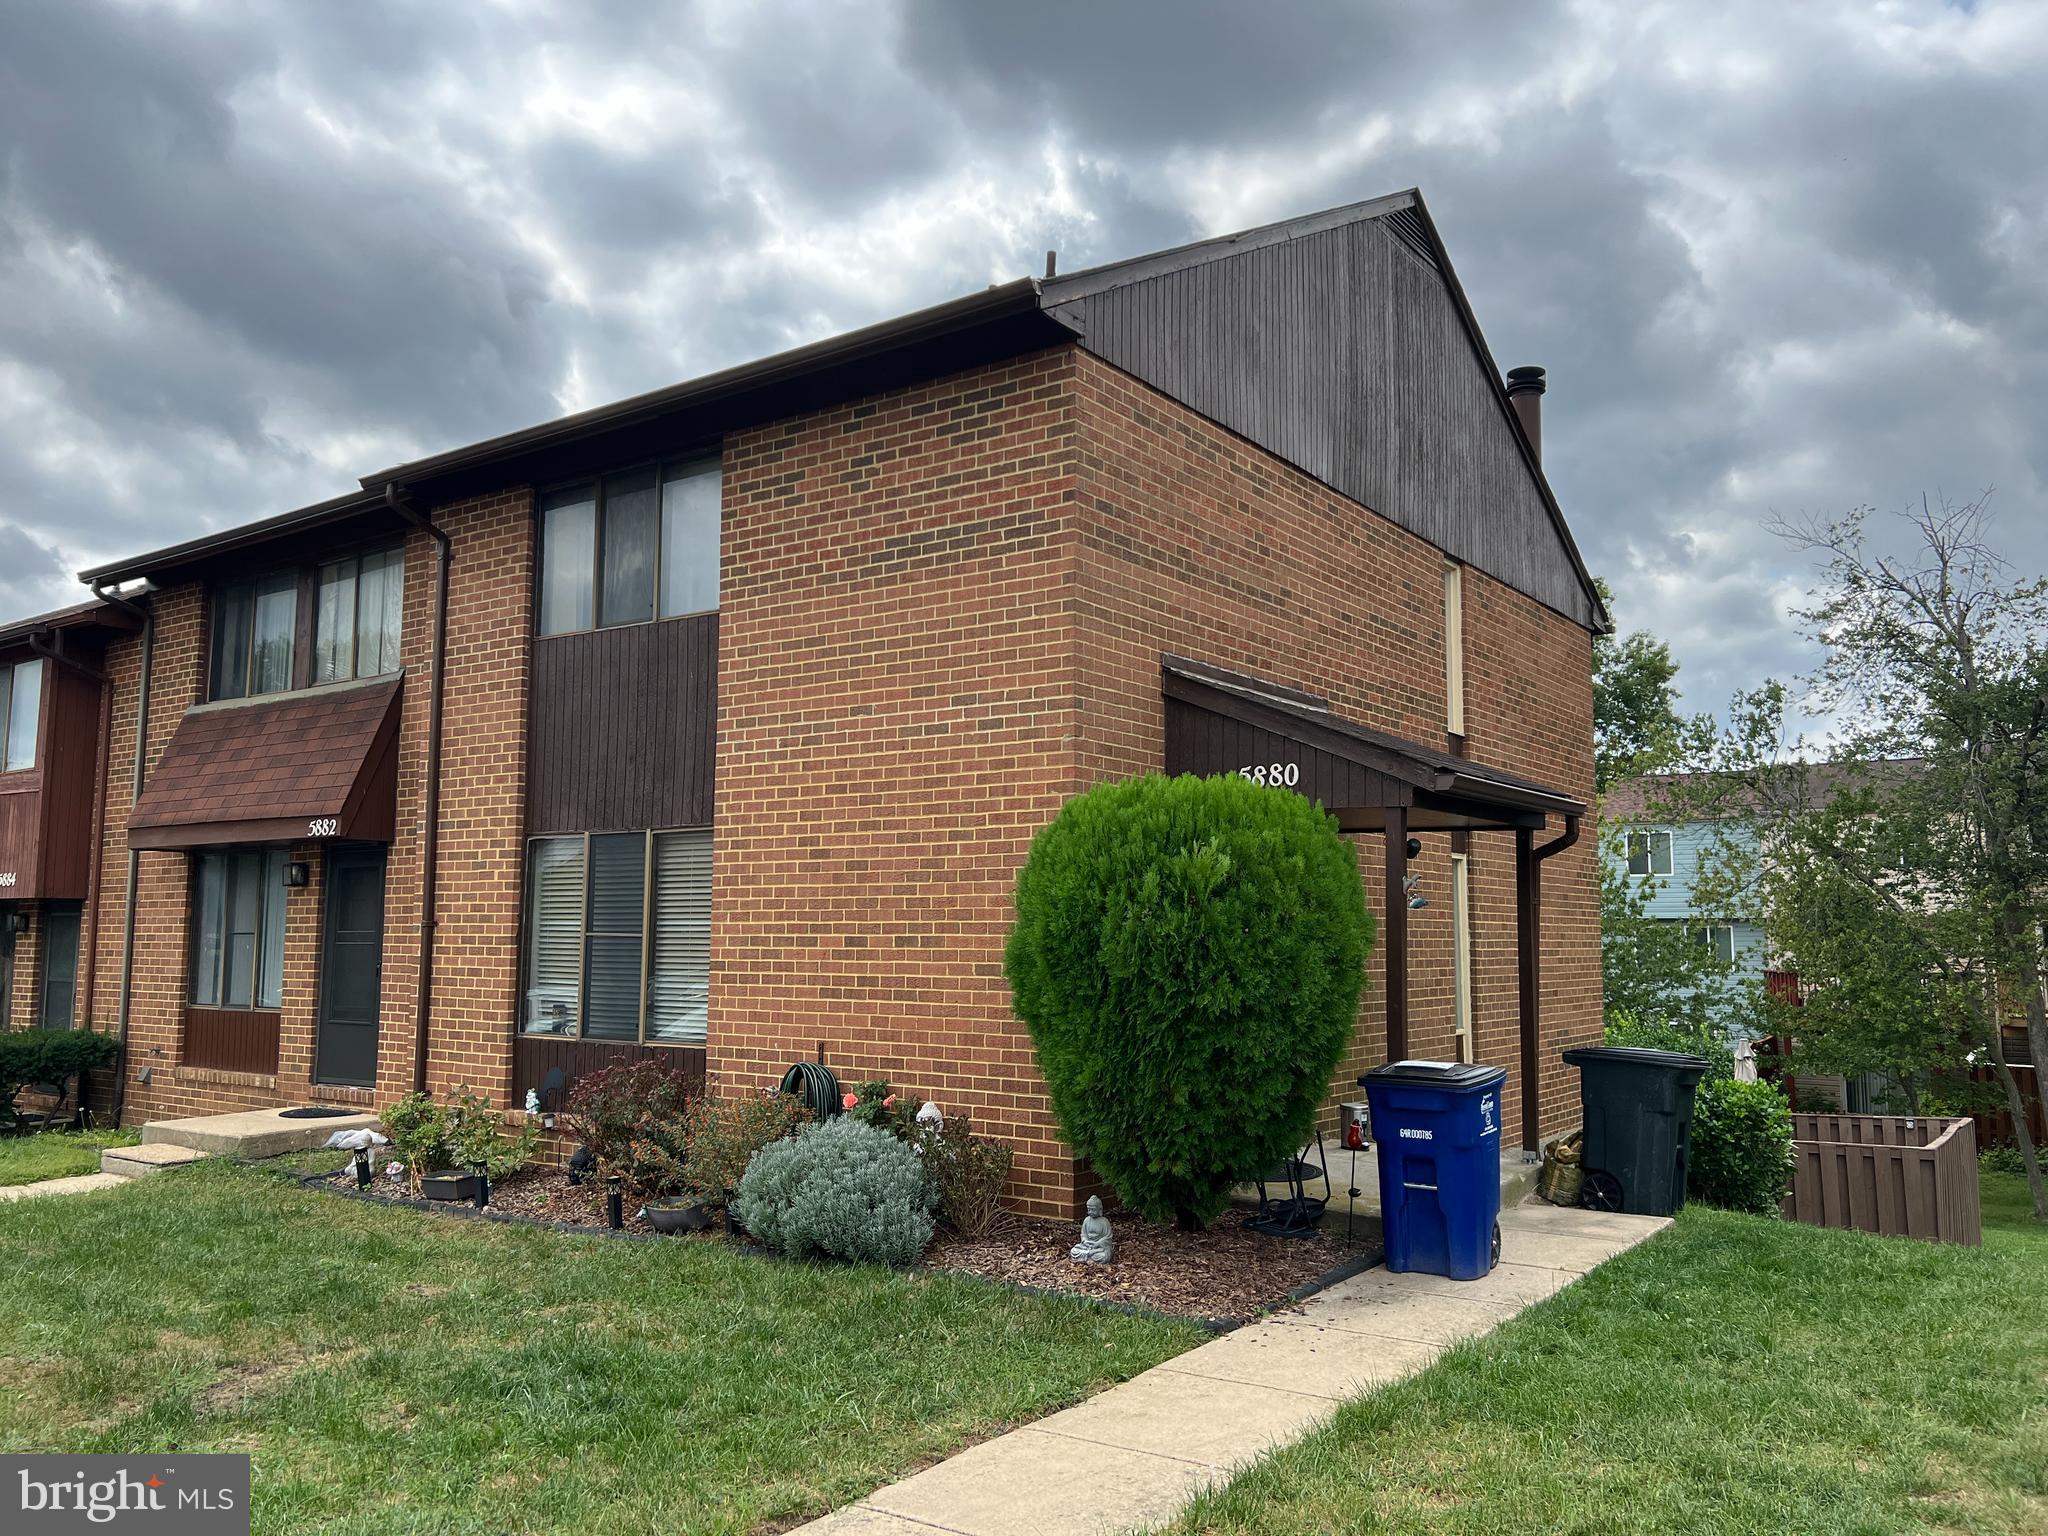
1529	942
397	499
146	611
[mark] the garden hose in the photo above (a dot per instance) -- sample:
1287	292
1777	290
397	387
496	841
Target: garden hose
814	1087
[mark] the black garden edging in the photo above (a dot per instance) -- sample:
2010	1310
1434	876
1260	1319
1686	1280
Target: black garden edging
324	1183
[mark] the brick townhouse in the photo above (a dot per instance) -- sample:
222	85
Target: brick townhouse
711	727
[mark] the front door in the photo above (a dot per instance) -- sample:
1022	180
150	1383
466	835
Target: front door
351	968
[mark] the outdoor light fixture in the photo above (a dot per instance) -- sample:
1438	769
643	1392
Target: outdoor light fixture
483	1183
1414	847
298	876
363	1169
17	922
614	1201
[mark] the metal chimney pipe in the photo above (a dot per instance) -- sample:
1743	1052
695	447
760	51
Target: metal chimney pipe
1525	393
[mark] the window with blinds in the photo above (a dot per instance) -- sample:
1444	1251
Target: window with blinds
618	940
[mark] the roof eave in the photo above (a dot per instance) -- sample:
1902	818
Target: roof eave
229	540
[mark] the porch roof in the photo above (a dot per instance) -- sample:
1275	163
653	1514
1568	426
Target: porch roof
266	770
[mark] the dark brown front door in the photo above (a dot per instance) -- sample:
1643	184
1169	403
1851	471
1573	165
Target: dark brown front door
351	968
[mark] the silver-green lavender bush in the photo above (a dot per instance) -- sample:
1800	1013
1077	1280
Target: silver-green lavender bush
838	1189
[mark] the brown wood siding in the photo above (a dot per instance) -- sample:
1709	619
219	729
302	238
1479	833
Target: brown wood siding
1891	1175
624	728
73	720
1201	742
534	1056
21	836
231	1039
1343	352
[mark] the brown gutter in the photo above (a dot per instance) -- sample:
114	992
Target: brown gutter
146	611
396	498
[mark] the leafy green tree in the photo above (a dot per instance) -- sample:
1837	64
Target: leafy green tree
1907	879
1637	725
1188	954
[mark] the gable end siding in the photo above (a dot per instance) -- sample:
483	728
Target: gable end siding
1343	352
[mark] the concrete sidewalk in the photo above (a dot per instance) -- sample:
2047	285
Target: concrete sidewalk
1134	1455
76	1184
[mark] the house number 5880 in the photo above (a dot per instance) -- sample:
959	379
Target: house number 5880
322	826
1278	775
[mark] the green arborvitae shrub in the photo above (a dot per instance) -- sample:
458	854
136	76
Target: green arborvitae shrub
1623	1029
32	1057
1741	1147
840	1190
1188	954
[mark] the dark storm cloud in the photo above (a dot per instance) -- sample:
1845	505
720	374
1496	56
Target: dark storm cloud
1776	259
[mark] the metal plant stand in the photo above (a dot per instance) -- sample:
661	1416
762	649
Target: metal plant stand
1296	1213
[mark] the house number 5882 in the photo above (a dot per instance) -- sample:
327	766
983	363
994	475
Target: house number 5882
322	826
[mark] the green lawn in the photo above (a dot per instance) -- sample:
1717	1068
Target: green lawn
56	1154
393	1371
1732	1375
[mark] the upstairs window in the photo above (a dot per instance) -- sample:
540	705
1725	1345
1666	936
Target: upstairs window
618	941
1649	853
1716	938
21	712
238	929
255	629
358	618
630	548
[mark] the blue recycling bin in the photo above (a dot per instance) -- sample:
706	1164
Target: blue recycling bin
1436	1125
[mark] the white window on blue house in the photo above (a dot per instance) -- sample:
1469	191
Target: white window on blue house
1649	853
1718	937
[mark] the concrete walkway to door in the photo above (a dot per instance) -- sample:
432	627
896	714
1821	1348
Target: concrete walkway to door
1133	1456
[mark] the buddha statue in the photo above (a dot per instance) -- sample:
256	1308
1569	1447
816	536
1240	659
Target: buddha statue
1098	1242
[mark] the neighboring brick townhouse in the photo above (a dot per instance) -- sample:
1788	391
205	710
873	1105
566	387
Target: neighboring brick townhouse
711	727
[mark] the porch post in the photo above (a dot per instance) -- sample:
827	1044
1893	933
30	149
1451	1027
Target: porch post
1528	941
1397	933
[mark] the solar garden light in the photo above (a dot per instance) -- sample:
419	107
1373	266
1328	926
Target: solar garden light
483	1183
614	1201
363	1169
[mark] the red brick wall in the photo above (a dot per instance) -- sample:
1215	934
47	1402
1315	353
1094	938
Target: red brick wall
1195	542
896	719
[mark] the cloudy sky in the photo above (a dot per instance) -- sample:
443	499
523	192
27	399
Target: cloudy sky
1776	258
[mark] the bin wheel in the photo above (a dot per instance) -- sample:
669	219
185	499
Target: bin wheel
1495	1260
1601	1191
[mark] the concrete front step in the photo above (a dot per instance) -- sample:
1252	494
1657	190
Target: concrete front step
251	1132
140	1162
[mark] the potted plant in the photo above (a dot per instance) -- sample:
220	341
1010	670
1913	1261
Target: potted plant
671	1205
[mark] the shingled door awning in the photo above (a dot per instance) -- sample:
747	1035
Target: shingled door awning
1218	721
319	762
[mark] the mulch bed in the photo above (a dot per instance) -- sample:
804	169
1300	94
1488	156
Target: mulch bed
1220	1276
1226	1272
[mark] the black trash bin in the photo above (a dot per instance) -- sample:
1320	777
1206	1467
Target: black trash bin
1638	1107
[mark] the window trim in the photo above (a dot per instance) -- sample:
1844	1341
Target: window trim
640	1040
713	455
43	692
75	912
1650	871
1464	1014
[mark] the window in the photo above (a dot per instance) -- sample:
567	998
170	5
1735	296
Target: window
60	966
254	627
359	616
1649	853
21	709
630	548
238	929
618	943
1454	650
1718	937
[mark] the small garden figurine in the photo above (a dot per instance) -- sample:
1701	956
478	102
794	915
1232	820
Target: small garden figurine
1098	1242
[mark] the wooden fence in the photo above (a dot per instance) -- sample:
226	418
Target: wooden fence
1889	1174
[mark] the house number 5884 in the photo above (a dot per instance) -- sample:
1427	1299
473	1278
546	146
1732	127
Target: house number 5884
322	826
